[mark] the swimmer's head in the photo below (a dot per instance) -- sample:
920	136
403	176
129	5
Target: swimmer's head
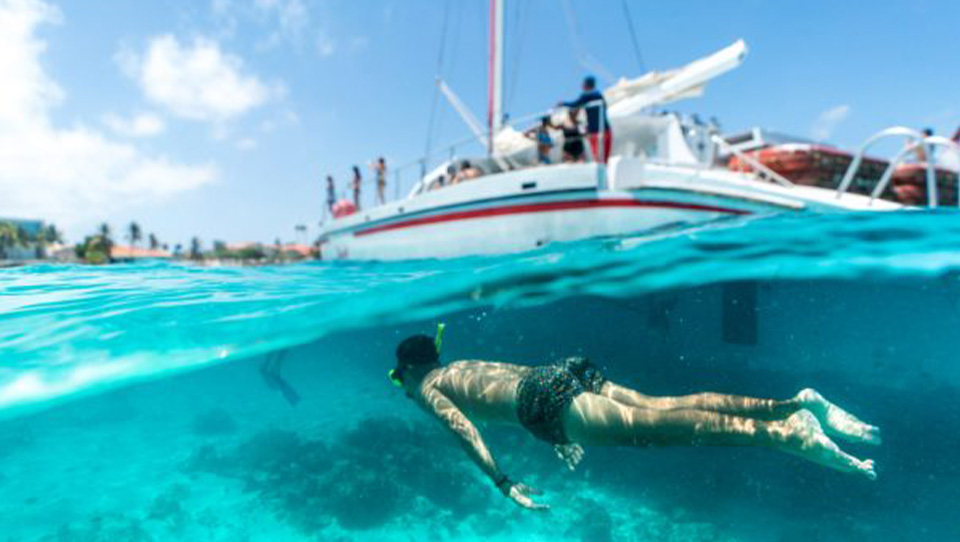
413	354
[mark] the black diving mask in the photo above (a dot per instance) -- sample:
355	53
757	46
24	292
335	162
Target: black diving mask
396	374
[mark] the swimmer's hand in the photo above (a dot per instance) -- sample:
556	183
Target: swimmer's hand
520	494
571	454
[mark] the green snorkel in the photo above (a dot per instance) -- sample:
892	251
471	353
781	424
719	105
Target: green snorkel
438	341
394	375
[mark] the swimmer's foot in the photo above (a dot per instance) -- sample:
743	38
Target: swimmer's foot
838	422
814	445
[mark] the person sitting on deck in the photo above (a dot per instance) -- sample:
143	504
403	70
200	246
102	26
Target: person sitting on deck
598	126
467	172
570	404
921	152
541	134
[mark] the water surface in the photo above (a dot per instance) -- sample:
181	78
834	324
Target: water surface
132	405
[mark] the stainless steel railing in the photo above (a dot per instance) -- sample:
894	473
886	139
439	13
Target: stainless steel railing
760	169
917	140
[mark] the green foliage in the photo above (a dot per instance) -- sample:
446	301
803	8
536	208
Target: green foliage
134	234
196	249
95	249
9	237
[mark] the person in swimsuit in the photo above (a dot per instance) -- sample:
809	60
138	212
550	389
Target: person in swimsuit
573	149
571	404
541	134
356	184
380	169
331	194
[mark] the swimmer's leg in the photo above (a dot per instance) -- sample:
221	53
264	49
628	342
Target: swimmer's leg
270	371
837	421
749	407
599	421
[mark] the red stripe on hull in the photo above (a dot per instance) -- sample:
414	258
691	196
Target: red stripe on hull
546	208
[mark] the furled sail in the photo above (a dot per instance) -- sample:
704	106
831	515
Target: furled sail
629	96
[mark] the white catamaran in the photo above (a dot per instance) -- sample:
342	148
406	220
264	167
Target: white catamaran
663	170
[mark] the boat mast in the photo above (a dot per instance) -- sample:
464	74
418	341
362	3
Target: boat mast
495	73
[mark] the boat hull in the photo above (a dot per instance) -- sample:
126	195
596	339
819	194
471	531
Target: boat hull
526	209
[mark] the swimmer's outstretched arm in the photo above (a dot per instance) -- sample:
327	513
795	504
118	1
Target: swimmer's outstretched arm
472	443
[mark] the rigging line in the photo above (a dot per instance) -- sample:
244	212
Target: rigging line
633	35
583	57
520	25
586	60
439	71
454	53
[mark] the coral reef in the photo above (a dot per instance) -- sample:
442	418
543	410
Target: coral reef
383	469
102	528
389	473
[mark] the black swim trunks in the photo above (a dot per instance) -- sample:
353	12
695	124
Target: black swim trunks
544	395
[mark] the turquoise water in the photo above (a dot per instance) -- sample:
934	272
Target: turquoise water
132	404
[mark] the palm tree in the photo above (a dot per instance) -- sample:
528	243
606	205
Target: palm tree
105	230
278	249
9	237
134	234
52	235
153	242
195	249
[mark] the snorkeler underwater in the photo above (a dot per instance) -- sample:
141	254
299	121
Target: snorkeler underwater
464	270
570	403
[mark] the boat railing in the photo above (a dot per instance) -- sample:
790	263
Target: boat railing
916	141
451	151
760	169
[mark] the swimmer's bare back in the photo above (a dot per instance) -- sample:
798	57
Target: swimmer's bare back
612	415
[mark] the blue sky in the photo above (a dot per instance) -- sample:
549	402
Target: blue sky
220	118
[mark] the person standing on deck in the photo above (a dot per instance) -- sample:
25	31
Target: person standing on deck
331	194
572	137
570	404
541	134
355	184
380	169
598	126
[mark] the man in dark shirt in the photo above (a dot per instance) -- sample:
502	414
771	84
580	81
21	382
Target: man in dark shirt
598	126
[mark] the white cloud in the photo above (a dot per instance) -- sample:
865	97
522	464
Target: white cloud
291	16
196	81
828	121
75	176
326	45
286	118
140	125
247	144
359	43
